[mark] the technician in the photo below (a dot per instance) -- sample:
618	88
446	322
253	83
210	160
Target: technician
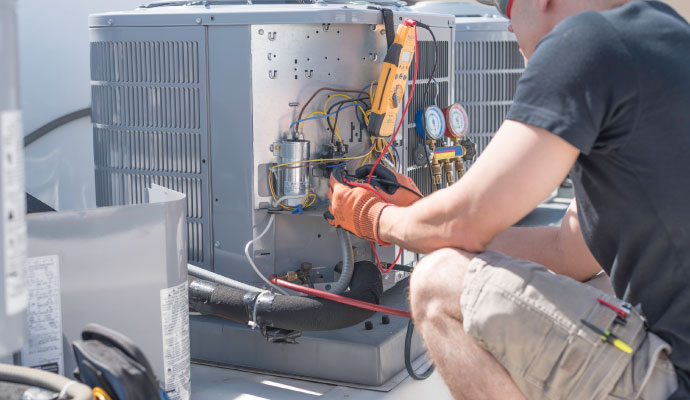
502	310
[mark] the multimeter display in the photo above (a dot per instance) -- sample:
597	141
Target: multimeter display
392	81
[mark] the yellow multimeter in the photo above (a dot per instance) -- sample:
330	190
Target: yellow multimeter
392	82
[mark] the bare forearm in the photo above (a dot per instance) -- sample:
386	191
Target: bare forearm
503	185
538	244
560	249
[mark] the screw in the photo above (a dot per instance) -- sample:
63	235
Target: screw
216	244
261	31
110	22
368	325
385	319
198	20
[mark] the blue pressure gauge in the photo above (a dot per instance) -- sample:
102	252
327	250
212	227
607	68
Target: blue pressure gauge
431	124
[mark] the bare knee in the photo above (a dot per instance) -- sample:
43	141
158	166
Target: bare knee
436	284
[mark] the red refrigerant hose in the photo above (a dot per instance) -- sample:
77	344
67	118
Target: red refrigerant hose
340	299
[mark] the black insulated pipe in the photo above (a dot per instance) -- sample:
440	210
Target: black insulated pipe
295	313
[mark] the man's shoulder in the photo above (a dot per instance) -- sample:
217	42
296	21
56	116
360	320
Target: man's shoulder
588	35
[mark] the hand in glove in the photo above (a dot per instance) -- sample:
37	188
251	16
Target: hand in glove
397	189
357	207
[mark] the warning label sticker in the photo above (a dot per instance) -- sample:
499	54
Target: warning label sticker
13	209
175	316
44	350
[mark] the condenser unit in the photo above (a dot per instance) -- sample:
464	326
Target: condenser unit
202	98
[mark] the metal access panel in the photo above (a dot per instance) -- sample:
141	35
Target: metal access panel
192	97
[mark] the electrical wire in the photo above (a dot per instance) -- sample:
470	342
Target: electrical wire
340	105
426	90
340	299
306	202
371	87
407	105
397	157
408	356
325	104
321	90
328	119
251	260
378	160
433	70
296	122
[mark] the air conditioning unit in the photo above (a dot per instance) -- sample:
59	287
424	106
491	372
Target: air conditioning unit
203	98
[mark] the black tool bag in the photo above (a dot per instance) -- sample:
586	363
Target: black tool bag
113	362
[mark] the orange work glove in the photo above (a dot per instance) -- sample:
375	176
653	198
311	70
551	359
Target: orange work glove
396	188
355	209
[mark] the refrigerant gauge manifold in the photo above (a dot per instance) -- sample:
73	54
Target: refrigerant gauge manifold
457	122
431	123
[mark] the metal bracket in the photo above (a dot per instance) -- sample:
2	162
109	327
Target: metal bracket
277	335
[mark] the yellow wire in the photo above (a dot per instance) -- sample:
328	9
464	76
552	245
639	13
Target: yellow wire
306	199
305	202
371	95
325	105
325	111
320	113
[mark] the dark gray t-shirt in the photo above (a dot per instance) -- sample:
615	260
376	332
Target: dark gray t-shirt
616	85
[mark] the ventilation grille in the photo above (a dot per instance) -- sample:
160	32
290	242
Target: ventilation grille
438	94
146	98
156	62
487	55
148	151
142	106
486	77
426	52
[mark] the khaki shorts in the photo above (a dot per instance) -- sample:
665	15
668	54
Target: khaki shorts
528	318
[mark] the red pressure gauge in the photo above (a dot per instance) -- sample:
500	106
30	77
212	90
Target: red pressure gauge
457	122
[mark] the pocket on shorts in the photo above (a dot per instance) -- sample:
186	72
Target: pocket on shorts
650	375
529	320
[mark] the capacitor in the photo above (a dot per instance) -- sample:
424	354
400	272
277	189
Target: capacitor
294	177
457	122
431	123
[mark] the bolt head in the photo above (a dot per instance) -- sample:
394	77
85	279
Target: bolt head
198	20
216	244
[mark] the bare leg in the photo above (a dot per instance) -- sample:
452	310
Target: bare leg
469	371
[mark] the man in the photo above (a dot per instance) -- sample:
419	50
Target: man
606	94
